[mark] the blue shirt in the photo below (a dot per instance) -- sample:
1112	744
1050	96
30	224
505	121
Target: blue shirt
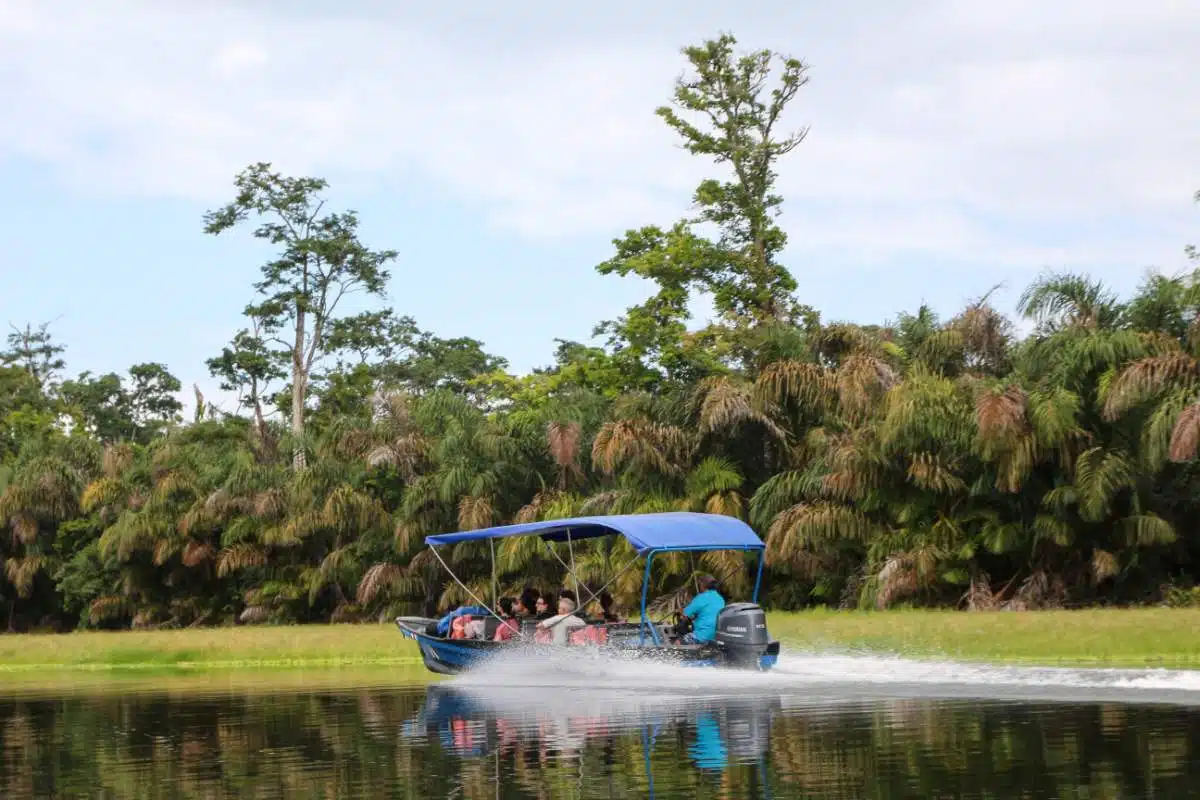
703	611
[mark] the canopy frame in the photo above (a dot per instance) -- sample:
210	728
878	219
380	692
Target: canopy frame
734	535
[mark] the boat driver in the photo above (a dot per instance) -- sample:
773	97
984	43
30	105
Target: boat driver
703	611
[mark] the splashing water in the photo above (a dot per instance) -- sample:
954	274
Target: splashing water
829	676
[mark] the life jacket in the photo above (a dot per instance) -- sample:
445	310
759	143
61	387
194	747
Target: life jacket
458	627
543	636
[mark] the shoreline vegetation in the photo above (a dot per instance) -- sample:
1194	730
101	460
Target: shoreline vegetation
927	460
375	654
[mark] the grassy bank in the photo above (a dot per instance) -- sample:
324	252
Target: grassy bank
1095	637
308	646
1141	637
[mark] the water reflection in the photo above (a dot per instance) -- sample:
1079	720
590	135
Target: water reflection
480	742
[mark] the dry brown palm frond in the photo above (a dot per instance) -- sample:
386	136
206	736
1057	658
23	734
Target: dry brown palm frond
533	510
475	513
795	381
898	578
852	471
196	553
861	382
239	557
601	503
1104	565
218	503
1146	377
1001	417
254	615
345	612
21	573
407	537
727	404
164	549
985	334
353	444
350	511
1041	590
640	442
563	438
24	528
101	492
107	607
404	452
117	459
810	526
377	578
979	596
1185	438
728	504
270	504
926	471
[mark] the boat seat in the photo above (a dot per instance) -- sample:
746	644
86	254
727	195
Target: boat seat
593	634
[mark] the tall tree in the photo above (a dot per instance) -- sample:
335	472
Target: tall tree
728	109
35	351
320	261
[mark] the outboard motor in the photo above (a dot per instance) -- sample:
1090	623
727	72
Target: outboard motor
742	636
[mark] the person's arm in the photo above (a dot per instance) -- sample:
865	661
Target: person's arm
690	610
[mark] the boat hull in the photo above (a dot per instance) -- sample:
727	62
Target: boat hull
455	656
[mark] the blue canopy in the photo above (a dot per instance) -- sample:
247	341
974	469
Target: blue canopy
679	530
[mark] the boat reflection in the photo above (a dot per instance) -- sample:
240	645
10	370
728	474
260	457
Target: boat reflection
553	726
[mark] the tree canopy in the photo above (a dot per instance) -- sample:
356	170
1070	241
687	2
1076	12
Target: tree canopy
923	460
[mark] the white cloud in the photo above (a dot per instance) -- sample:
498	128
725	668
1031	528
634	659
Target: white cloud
932	127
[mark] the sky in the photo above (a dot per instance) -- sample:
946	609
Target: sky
500	148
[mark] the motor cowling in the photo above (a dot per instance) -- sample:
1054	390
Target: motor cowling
742	633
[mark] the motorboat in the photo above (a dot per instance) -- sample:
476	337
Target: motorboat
742	640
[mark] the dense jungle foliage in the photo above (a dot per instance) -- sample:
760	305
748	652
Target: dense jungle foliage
924	460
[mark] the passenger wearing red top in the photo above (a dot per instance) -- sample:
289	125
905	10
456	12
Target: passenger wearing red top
510	627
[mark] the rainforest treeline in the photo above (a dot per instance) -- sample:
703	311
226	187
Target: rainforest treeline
925	460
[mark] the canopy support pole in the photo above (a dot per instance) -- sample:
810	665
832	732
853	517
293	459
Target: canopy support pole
495	591
762	560
466	589
645	592
591	595
574	576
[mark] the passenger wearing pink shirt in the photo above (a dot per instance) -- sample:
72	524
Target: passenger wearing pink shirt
510	627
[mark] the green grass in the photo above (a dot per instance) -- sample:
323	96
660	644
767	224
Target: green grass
304	646
1147	637
1135	637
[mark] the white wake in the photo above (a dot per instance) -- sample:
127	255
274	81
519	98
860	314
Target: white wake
817	676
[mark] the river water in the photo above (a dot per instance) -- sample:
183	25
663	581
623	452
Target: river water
819	727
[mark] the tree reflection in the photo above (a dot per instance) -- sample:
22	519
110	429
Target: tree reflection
439	742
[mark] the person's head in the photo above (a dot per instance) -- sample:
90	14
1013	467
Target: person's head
566	605
606	601
529	600
506	606
567	593
707	583
541	605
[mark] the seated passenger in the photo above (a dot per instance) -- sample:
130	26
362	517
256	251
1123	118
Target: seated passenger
541	608
560	626
606	609
526	606
703	611
442	627
509	626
